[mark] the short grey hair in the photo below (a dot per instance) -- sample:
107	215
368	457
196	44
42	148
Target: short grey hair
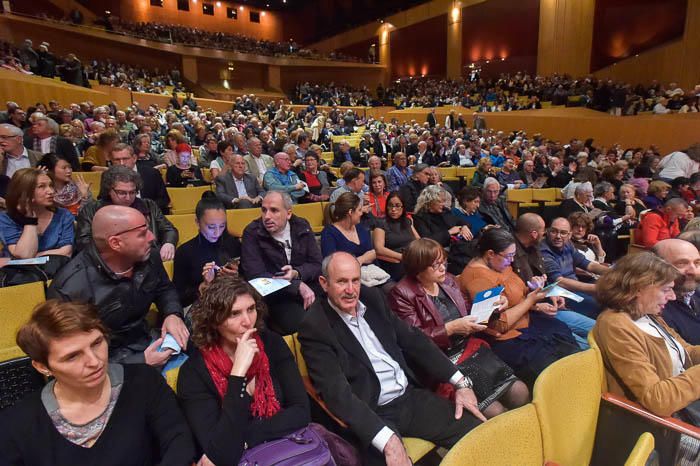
14	131
327	260
491	180
583	188
118	174
602	188
428	195
286	198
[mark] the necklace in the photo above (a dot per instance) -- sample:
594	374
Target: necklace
124	272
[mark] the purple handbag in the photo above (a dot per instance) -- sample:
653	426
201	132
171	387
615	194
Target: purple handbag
305	446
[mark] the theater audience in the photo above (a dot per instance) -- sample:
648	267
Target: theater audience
661	223
429	298
391	235
410	190
153	187
44	138
69	194
241	386
399	173
257	162
527	336
345	233
97	156
483	171
315	179
433	219
280	244
236	188
219	165
121	273
628	203
467	209
119	186
656	194
583	239
13	155
377	194
184	172
91	411
581	202
340	343
493	208
212	252
680	164
561	259
33	224
281	178
644	358
353	182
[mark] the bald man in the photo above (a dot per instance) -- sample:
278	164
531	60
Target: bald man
683	314
122	275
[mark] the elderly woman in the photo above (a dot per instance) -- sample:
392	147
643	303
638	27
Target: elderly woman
467	209
213	251
392	235
142	149
483	171
584	240
429	298
527	336
315	179
97	156
628	203
644	358
33	225
240	387
91	412
377	194
119	186
69	194
656	194
433	218
346	233
219	165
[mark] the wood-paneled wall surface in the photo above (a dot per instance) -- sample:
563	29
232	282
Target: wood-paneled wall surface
676	61
668	132
28	90
565	37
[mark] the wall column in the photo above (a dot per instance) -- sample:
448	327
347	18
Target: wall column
454	41
385	52
189	69
273	79
566	37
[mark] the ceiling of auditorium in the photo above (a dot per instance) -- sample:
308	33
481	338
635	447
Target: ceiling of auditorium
329	17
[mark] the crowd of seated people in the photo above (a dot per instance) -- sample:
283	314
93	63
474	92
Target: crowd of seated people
41	61
377	303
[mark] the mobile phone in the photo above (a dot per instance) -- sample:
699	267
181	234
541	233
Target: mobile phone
280	274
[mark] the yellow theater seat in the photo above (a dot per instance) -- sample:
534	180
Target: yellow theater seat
184	200
544	195
93	179
312	212
642	449
186	226
169	267
509	439
16	305
466	172
238	219
448	173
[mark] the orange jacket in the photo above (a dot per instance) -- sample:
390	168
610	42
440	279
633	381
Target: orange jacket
655	226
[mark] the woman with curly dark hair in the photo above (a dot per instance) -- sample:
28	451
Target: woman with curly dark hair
240	387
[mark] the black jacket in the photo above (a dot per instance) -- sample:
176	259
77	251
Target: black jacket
436	226
122	303
263	256
153	186
498	214
409	192
341	371
223	428
64	148
161	227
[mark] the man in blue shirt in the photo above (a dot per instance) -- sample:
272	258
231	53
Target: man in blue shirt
683	314
561	259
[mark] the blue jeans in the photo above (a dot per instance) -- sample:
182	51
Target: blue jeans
579	324
588	307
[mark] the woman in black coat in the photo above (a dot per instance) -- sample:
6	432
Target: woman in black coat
434	220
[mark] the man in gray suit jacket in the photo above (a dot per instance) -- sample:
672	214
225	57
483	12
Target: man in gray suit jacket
238	189
13	155
257	163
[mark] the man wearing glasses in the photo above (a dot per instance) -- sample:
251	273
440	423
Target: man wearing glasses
561	259
122	275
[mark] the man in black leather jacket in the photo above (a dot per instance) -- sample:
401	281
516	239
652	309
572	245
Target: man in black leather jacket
121	274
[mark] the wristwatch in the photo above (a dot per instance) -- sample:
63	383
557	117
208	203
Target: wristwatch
466	382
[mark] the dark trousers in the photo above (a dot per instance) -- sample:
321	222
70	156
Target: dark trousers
421	413
287	309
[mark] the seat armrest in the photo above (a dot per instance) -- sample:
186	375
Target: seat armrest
664	421
313	394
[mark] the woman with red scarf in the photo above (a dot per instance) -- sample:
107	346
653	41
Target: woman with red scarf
241	386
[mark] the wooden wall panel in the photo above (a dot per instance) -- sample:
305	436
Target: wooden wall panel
565	36
420	49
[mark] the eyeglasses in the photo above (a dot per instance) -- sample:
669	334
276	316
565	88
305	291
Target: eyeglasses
438	265
124	194
509	257
394	206
562	233
143	225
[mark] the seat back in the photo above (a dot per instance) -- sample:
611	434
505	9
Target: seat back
567	399
544	195
186	226
16	305
519	195
508	439
312	212
238	219
171	378
93	179
184	200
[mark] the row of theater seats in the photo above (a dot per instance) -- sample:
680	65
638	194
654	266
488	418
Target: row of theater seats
571	420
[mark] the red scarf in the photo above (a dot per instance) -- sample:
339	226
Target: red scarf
219	365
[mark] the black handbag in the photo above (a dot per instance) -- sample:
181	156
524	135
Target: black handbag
12	275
